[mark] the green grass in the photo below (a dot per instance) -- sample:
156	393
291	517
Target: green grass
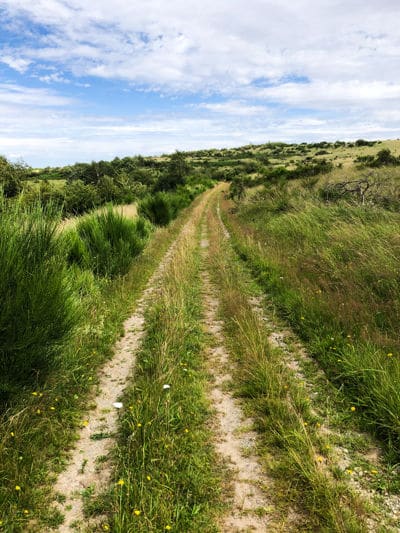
332	269
39	307
167	475
106	242
291	447
40	425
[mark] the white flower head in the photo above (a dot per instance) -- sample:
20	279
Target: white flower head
166	387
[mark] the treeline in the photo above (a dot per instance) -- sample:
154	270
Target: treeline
79	188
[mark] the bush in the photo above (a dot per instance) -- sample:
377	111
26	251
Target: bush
157	208
107	242
80	197
163	207
38	309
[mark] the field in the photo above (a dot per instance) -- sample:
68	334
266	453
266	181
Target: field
207	341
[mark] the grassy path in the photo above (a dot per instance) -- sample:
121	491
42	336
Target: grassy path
234	435
211	417
89	471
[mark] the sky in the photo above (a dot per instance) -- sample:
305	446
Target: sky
83	81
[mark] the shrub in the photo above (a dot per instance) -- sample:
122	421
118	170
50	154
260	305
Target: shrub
107	242
80	197
157	208
38	308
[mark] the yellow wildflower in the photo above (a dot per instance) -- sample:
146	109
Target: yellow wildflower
168	528
137	512
352	408
374	471
26	511
148	478
38	411
390	354
120	482
17	487
12	434
139	425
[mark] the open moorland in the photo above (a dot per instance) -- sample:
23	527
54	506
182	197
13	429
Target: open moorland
203	341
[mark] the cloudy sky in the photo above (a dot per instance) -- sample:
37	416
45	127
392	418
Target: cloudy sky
81	81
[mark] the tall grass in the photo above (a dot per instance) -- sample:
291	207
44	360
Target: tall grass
106	242
333	272
38	306
292	449
162	207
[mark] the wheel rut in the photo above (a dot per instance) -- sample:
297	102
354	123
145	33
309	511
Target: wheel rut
89	469
235	440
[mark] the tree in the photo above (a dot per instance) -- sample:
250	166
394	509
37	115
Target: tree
177	170
11	177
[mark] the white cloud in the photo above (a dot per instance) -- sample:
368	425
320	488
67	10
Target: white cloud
294	71
234	107
12	94
18	64
218	46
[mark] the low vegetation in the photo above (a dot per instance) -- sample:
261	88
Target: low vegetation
332	269
292	449
106	242
316	225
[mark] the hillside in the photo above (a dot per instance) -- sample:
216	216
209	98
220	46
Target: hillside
224	356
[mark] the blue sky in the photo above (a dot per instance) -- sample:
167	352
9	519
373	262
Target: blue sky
82	81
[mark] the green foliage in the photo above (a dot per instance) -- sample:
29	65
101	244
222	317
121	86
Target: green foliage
107	242
333	272
11	177
176	172
38	308
80	197
162	207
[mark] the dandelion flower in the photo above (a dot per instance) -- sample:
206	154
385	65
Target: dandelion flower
168	528
186	430
17	488
148	478
120	482
38	411
106	527
26	511
352	408
12	434
139	425
320	459
374	471
137	512
85	423
349	471
390	354
52	408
